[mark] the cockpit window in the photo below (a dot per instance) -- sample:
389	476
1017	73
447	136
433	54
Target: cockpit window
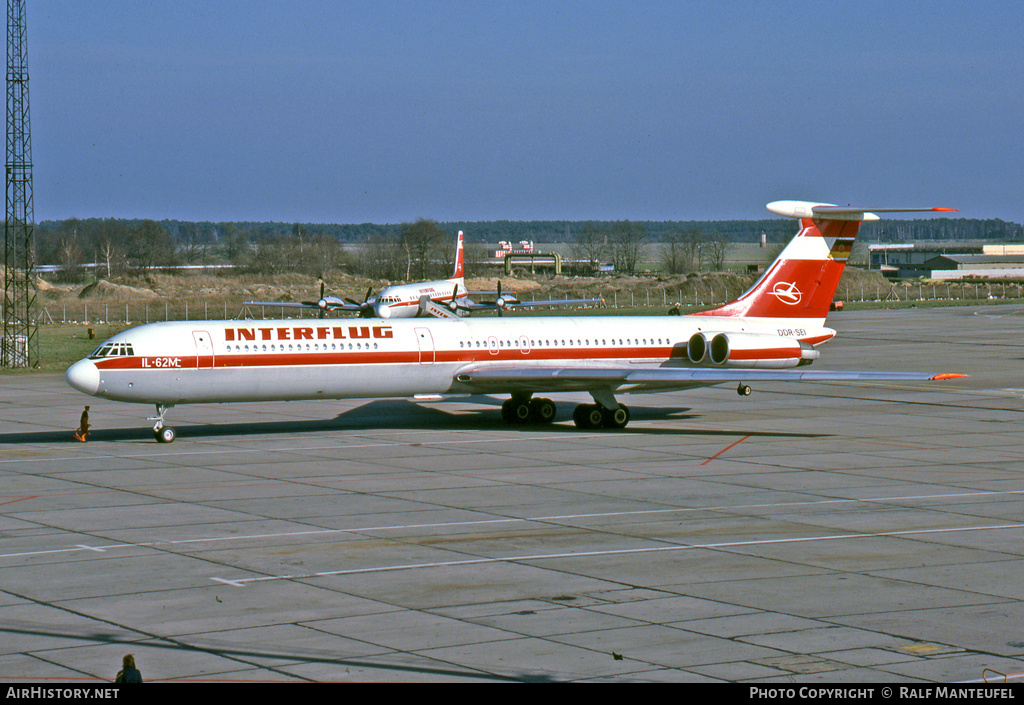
112	350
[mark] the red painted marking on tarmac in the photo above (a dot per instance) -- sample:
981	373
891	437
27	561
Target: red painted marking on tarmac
20	499
724	449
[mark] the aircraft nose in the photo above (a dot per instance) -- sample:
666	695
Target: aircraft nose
84	376
383	311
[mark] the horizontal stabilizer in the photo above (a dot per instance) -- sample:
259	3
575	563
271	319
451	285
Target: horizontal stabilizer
807	209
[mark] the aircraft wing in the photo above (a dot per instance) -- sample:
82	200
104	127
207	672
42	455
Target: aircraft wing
331	303
557	302
630	378
510	304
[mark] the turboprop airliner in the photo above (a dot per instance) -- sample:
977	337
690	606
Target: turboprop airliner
772	332
442	298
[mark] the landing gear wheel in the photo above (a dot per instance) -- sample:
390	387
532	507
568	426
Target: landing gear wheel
506	411
743	390
542	410
615	418
596	416
517	410
588	416
164	434
520	411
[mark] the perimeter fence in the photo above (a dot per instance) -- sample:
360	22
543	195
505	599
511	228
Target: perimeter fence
693	296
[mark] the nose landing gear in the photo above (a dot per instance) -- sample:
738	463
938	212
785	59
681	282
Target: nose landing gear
162	433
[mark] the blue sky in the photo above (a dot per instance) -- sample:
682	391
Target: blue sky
378	111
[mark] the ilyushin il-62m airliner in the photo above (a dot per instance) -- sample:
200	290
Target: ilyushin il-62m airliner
772	332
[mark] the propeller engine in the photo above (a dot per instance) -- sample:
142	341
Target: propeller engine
502	300
367	308
322	303
454	304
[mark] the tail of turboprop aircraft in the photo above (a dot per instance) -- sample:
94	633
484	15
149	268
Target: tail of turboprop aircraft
802	280
457	274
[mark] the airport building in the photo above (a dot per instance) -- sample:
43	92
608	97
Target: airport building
935	261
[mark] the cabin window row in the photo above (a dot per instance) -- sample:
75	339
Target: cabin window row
298	347
563	343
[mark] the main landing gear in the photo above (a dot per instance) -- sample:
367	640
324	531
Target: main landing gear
163	434
597	416
522	409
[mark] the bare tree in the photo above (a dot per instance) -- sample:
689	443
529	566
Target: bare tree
629	243
421	242
236	244
71	259
381	257
676	256
714	250
273	256
322	254
149	246
590	246
193	244
693	243
110	255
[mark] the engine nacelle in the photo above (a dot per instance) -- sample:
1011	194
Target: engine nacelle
697	348
750	350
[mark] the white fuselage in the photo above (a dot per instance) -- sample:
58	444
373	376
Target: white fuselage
403	300
228	361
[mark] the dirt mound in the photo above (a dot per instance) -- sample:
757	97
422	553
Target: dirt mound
105	291
507	284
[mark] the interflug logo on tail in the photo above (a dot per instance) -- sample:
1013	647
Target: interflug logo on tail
787	293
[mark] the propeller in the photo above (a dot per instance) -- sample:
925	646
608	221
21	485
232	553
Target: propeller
321	303
365	309
501	301
504	300
454	304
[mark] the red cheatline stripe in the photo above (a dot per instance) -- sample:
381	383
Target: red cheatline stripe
341	359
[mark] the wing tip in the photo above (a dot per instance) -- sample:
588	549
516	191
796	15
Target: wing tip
948	375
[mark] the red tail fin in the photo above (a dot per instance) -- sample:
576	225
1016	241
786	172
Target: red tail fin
458	259
802	281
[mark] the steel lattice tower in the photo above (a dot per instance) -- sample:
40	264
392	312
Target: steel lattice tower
20	342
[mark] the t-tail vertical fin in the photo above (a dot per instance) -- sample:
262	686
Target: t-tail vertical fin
458	259
802	280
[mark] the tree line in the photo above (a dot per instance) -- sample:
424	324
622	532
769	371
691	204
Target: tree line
116	247
423	249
